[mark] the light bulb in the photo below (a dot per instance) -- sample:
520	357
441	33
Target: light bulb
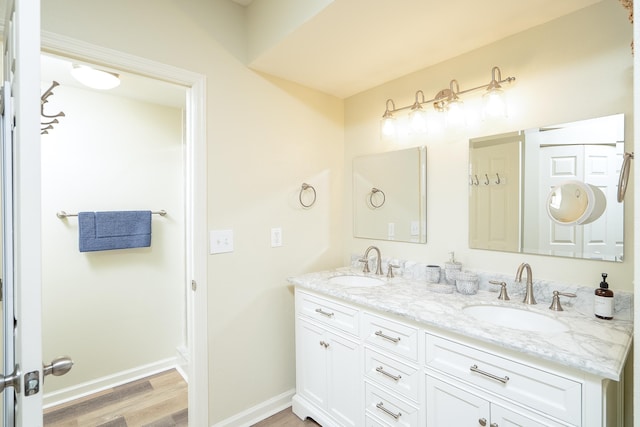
455	113
495	105
388	127
418	120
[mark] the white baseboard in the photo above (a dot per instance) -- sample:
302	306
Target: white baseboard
259	412
109	381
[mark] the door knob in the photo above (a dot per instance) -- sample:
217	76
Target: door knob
11	380
59	366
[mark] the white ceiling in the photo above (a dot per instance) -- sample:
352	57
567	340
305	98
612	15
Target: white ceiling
354	45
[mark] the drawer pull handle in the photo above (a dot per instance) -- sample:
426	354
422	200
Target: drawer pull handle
324	313
325	344
388	412
387	337
396	378
482	421
503	380
494	425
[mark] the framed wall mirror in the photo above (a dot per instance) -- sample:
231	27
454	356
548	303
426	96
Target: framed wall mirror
389	195
515	180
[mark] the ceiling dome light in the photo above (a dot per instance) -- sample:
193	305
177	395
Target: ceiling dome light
95	79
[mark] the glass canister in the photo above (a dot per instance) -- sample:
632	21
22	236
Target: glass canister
433	273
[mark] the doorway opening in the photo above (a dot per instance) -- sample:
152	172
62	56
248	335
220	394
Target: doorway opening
169	277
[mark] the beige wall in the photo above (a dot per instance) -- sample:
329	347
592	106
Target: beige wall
265	138
112	311
577	67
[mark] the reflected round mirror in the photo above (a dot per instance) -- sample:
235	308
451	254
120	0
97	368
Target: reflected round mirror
574	202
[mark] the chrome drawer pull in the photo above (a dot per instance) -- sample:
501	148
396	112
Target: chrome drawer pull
383	372
503	380
388	412
324	313
387	337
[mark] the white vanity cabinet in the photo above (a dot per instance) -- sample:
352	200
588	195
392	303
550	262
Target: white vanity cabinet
328	362
498	379
357	366
392	373
448	405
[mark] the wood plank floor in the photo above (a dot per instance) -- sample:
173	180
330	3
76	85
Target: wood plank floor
156	401
286	418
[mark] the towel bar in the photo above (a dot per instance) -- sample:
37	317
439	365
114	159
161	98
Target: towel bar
63	214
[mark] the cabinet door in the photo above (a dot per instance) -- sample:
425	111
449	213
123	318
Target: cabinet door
450	406
311	361
503	417
344	381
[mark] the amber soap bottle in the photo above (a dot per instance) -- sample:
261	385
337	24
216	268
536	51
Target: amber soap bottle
603	303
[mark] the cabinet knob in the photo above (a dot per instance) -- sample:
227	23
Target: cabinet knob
482	422
494	425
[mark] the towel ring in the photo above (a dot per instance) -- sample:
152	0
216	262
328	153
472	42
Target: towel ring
624	176
306	187
375	190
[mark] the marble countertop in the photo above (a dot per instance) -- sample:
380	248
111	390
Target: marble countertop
589	344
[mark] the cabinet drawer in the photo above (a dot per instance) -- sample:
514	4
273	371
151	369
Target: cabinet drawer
400	377
544	391
328	312
392	336
389	410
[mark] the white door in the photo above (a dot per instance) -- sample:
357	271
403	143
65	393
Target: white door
21	123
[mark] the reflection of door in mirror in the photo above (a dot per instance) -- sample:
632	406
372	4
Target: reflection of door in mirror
494	193
592	164
589	151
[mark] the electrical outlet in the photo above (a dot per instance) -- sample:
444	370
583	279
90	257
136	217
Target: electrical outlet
220	241
276	237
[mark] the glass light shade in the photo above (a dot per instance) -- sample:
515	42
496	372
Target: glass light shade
418	121
95	79
455	113
388	127
494	103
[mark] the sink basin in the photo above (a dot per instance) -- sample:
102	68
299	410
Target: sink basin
356	281
515	318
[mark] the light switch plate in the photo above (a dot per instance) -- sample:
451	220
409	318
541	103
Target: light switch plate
276	237
220	241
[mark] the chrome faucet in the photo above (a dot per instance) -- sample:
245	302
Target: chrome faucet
365	260
528	296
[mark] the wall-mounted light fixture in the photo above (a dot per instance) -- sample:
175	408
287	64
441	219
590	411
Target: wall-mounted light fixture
447	101
95	79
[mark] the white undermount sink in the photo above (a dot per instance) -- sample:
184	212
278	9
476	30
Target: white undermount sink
356	281
515	318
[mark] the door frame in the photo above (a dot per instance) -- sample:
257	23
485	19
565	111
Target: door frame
195	196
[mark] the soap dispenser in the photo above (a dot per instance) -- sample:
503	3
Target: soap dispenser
451	269
603	303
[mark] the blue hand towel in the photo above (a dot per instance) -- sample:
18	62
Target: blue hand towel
102	231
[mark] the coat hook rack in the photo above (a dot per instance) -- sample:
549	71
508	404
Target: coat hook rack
47	125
